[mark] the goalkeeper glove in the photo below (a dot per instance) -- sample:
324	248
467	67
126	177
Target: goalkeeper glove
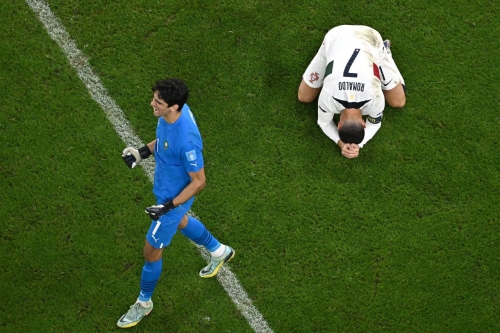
132	156
155	212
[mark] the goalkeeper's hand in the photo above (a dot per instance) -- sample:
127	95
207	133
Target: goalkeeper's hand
155	212
132	156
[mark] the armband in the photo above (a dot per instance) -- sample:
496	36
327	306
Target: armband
375	120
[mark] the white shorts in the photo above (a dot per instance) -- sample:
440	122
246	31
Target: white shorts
390	76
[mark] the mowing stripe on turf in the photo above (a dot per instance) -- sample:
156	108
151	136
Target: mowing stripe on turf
115	115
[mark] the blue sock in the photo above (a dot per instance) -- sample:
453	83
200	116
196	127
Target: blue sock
198	233
151	272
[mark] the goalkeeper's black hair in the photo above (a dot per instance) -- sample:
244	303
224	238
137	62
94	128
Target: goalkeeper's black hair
352	132
172	91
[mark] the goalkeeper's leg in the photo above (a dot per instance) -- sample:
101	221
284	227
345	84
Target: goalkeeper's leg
150	275
198	233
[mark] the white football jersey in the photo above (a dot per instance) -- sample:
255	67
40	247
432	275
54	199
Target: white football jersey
347	67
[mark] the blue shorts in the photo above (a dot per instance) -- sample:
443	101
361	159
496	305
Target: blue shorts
163	230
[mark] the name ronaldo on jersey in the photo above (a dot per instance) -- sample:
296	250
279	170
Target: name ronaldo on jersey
355	86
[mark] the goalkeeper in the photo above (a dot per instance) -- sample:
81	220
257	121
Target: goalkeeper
179	176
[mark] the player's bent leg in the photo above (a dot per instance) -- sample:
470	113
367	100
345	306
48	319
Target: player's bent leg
199	234
184	222
151	272
306	94
159	236
151	253
396	97
392	80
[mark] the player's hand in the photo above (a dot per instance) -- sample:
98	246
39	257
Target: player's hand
155	212
350	150
132	156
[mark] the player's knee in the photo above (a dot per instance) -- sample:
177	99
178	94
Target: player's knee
183	223
304	98
150	253
397	103
306	94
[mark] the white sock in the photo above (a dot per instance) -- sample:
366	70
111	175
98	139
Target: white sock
219	252
144	304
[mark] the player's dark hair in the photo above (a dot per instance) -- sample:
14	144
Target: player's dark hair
172	91
352	132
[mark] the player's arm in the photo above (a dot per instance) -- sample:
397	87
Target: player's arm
194	166
325	122
330	129
373	124
198	182
132	156
152	146
312	79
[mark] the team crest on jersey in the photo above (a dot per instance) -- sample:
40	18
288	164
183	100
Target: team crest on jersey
314	77
191	155
165	144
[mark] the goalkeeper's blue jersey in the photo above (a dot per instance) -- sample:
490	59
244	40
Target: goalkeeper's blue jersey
178	151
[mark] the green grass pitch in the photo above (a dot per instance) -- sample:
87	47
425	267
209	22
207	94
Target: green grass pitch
404	238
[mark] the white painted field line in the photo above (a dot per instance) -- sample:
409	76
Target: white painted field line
115	115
